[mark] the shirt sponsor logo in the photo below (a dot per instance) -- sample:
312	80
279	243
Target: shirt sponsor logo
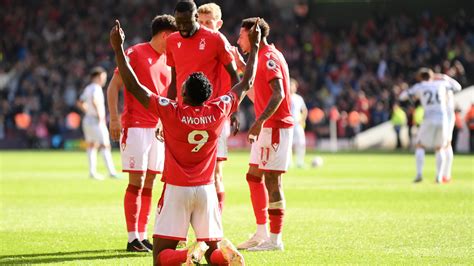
198	120
202	44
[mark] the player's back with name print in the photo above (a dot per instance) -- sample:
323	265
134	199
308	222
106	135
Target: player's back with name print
432	95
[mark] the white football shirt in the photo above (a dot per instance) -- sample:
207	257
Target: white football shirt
433	97
93	93
297	105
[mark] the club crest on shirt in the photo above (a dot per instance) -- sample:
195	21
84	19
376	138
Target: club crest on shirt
202	44
275	146
271	64
164	101
179	44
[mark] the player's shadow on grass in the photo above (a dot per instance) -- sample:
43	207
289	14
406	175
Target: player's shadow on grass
66	256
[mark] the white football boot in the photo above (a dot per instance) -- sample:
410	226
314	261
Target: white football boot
267	245
254	241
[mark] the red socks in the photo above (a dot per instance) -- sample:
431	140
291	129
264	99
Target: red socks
144	215
132	206
259	197
217	258
220	199
276	220
171	257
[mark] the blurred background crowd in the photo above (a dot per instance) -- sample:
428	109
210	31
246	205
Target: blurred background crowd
347	63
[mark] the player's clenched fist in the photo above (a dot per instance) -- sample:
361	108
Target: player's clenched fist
116	36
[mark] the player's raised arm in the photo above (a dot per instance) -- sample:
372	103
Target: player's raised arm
172	92
249	75
130	80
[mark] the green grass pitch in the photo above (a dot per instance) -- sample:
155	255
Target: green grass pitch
355	209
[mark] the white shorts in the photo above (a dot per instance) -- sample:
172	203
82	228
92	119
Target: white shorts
432	135
299	138
181	206
95	132
272	150
141	152
222	142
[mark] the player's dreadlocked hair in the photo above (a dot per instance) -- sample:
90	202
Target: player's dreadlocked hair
185	5
198	88
264	27
162	23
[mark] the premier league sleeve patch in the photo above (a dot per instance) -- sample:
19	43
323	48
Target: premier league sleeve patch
164	101
225	98
271	64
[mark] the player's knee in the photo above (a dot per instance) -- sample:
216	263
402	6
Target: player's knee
253	170
136	179
149	180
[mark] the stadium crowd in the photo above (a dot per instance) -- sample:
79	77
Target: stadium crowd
48	46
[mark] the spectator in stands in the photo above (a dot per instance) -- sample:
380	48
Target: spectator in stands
42	69
399	119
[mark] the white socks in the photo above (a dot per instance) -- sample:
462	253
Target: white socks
449	161
262	230
108	160
299	154
132	236
92	158
276	238
420	160
440	163
142	235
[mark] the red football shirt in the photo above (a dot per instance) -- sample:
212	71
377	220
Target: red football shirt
206	51
191	134
225	82
272	65
153	72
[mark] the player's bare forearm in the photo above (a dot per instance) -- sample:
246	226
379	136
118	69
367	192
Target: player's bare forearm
81	105
232	70
249	75
172	91
112	96
275	100
115	85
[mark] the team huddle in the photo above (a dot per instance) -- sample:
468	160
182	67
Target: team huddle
182	90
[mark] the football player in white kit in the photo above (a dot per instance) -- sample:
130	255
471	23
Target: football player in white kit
448	150
433	130
91	102
299	113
